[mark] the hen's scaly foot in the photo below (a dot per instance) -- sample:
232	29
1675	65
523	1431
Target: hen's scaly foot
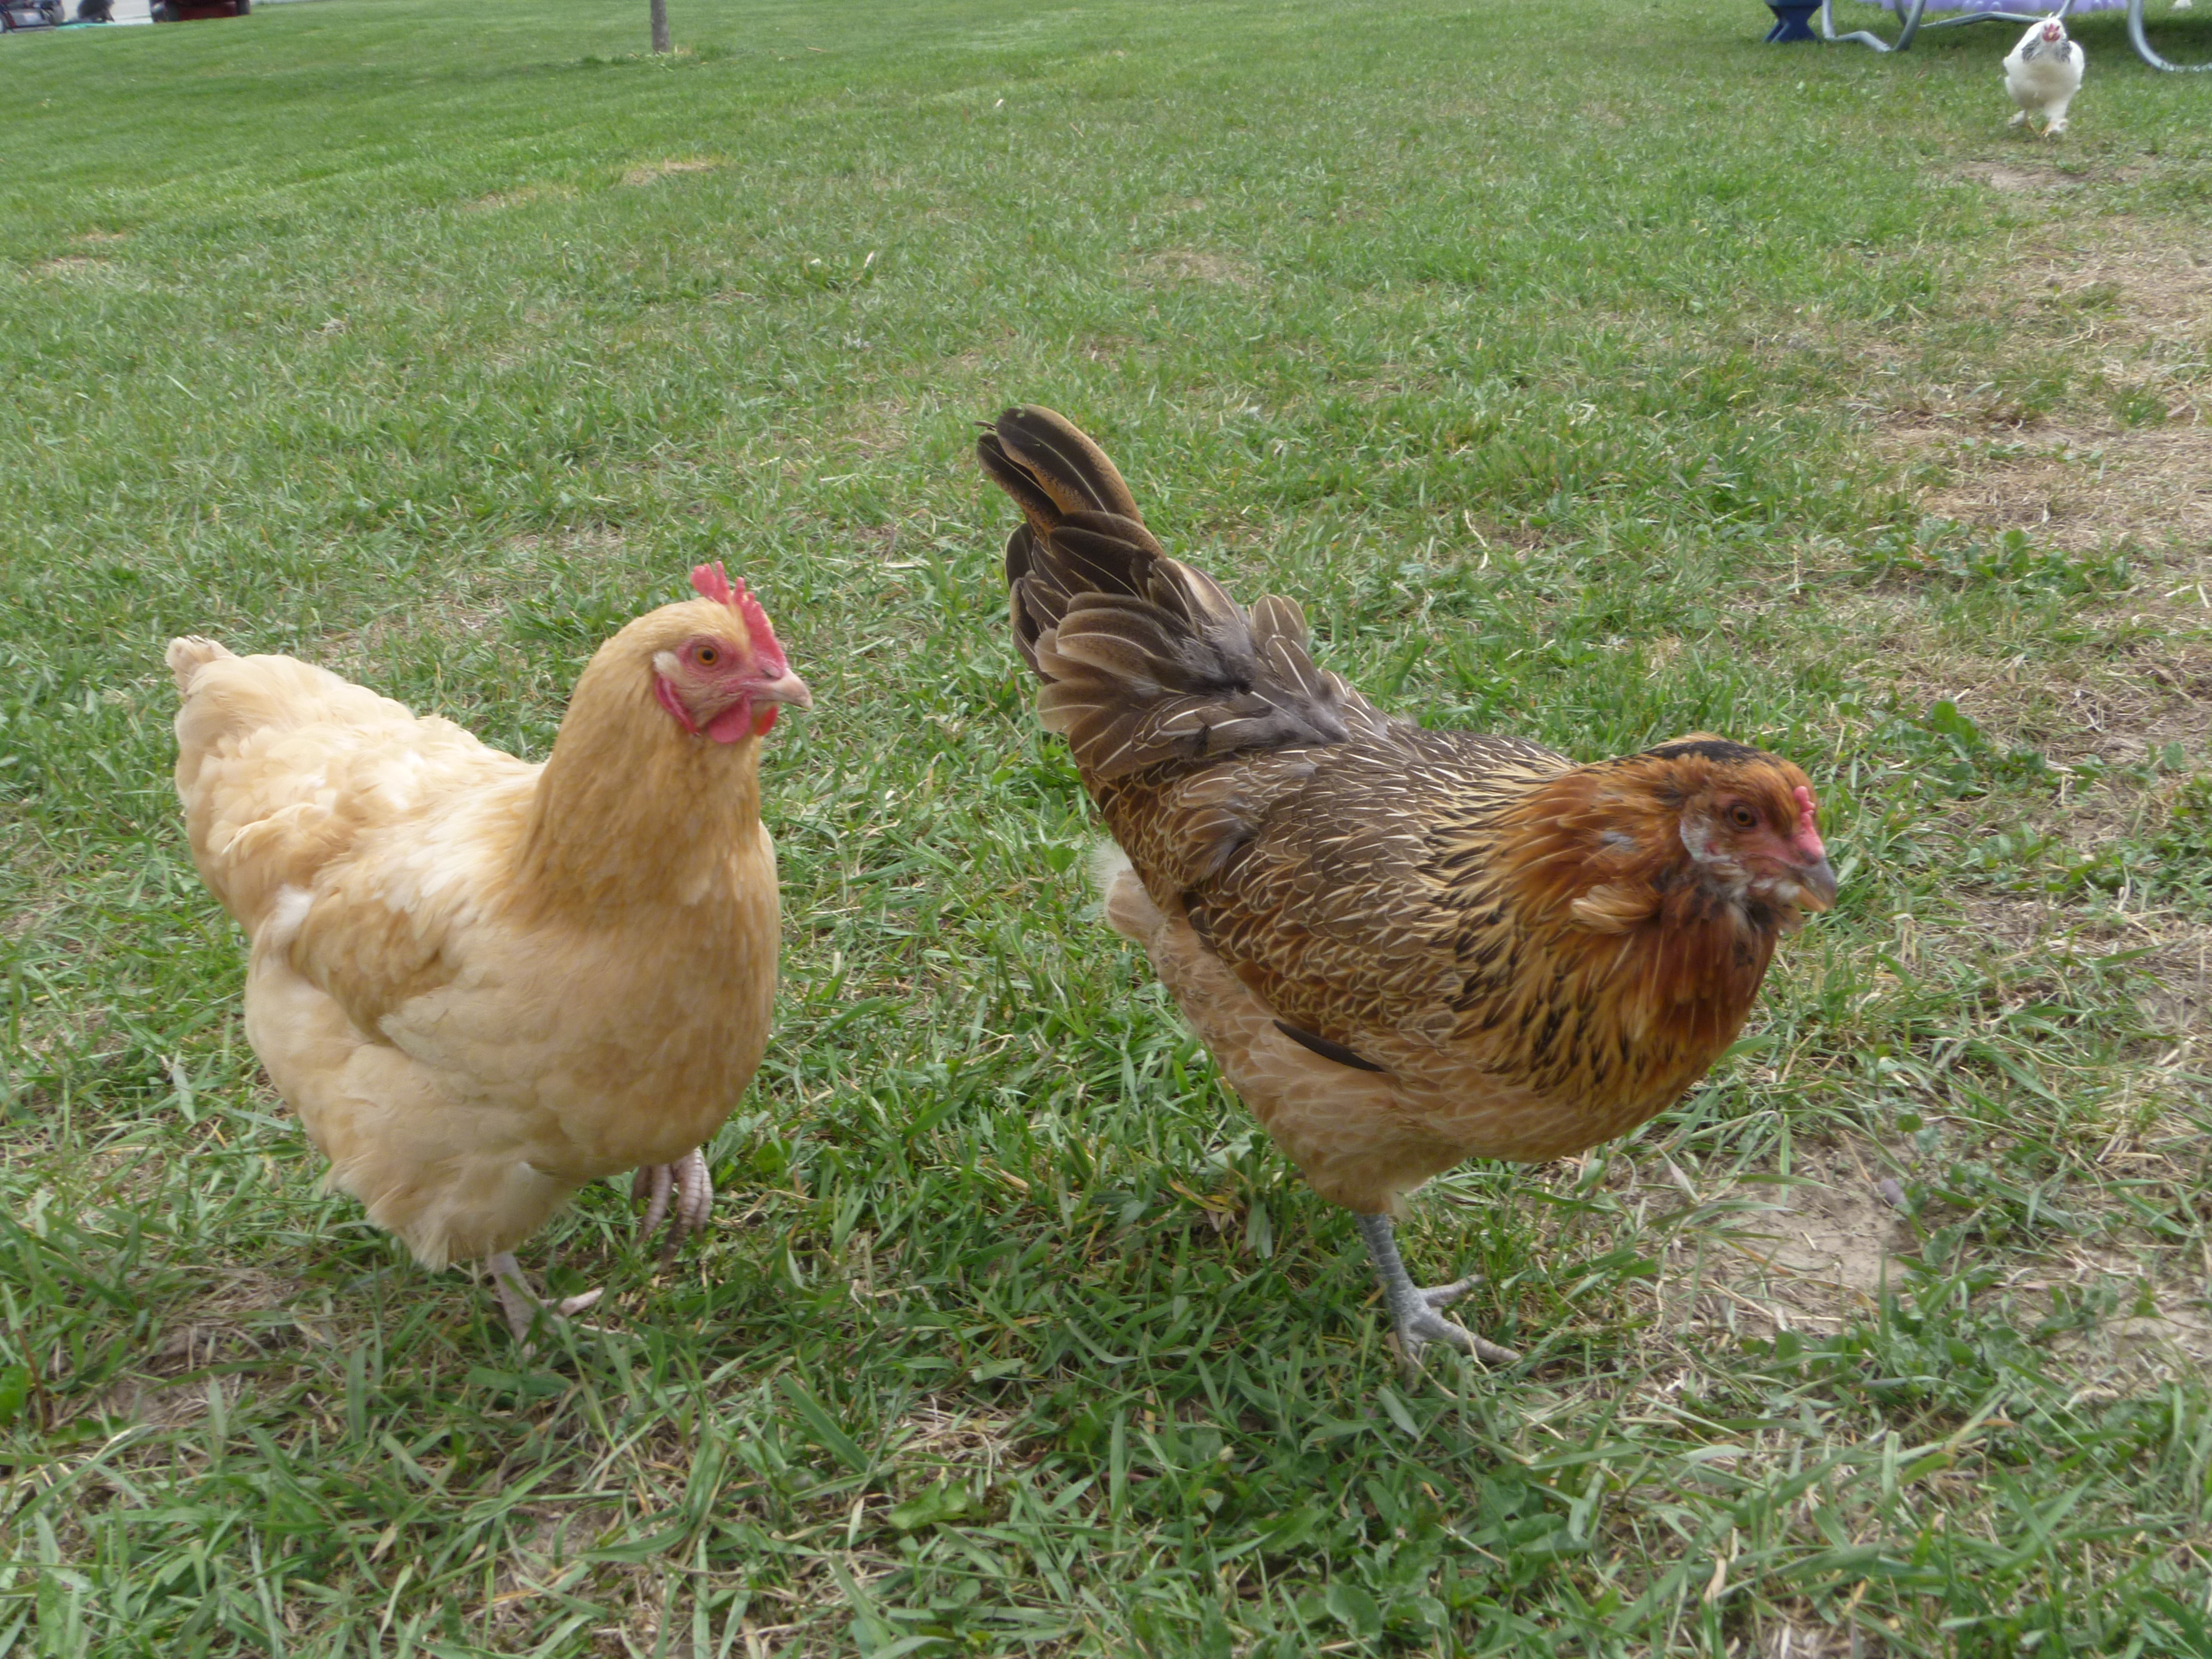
520	1303
685	1182
1413	1307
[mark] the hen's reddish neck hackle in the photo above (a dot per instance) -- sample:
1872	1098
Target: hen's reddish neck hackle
1404	948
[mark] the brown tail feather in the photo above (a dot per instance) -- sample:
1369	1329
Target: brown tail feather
1145	661
1034	451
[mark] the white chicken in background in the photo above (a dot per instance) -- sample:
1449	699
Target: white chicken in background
2044	72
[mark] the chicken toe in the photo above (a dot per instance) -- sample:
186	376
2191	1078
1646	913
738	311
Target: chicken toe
681	1193
520	1303
1413	1307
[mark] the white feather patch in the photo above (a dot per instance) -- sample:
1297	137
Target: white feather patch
286	917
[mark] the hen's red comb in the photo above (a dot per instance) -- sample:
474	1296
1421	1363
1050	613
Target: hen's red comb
1807	836
713	582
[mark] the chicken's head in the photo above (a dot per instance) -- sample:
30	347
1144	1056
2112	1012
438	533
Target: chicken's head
717	667
1747	821
2053	33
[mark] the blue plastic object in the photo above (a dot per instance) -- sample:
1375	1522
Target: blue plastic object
1793	20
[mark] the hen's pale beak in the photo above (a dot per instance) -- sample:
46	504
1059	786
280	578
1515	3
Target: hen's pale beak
1816	886
787	688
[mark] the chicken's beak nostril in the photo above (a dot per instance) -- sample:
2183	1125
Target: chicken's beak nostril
787	688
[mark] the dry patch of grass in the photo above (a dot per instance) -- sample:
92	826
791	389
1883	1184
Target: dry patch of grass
1819	1251
651	173
72	267
367	650
2117	315
244	1315
2051	173
517	196
1196	265
2080	491
2131	302
880	426
589	541
2161	273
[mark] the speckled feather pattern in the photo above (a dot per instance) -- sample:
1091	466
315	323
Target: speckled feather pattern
1517	942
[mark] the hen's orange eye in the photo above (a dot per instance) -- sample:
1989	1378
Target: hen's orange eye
706	656
1742	817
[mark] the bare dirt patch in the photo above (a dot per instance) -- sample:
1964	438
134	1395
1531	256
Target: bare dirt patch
1194	265
239	1318
515	197
650	173
589	541
1751	1255
2022	178
880	426
1827	1243
1806	1254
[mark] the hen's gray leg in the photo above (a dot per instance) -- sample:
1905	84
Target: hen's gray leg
682	1194
1413	1309
520	1303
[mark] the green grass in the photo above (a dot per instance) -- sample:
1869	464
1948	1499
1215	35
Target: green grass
1555	357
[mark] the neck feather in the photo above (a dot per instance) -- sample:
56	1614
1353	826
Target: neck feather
632	810
1598	868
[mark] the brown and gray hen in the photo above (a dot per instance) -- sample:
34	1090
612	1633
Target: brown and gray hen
1404	948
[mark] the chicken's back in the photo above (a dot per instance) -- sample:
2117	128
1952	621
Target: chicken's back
283	767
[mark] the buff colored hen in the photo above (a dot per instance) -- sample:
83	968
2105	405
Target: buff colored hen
482	983
1404	948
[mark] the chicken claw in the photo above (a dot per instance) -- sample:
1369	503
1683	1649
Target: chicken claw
520	1303
1414	1308
692	1188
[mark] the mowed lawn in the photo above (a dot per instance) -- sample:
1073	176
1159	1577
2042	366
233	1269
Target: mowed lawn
1589	371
